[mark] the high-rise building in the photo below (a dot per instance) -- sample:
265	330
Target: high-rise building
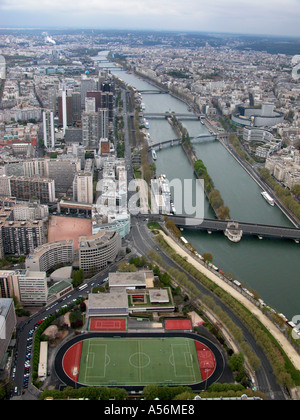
64	109
90	104
83	187
21	238
103	122
90	130
62	171
107	101
87	85
48	129
97	96
24	188
52	99
76	107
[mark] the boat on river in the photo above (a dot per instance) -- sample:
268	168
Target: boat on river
268	198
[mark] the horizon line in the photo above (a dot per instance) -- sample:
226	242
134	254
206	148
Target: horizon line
190	31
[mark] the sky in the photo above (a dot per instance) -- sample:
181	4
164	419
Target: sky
273	17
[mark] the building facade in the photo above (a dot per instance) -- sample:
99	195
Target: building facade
47	256
97	251
24	188
8	324
48	129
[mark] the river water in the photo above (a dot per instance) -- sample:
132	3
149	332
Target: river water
270	267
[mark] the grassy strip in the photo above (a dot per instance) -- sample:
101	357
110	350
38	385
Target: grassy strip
283	369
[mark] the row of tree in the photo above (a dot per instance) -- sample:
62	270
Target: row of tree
150	393
214	196
284	371
283	193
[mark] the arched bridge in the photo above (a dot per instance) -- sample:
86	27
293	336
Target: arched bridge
154	92
175	142
173	114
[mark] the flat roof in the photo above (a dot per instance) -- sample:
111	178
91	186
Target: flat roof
107	300
159	296
127	279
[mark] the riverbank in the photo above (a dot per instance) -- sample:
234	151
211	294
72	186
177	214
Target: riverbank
256	178
254	263
289	350
249	170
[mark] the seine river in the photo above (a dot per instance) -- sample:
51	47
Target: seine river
270	267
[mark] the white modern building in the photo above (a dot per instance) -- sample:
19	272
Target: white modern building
33	288
264	116
83	187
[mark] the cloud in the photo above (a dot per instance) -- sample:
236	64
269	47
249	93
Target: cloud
251	16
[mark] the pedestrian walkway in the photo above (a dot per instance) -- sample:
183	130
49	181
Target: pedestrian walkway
280	338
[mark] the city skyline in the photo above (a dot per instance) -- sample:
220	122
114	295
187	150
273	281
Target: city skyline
232	16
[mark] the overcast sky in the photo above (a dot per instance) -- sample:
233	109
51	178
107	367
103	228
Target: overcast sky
274	17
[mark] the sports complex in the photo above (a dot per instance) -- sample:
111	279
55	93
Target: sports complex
110	355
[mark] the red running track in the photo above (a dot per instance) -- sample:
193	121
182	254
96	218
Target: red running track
71	361
207	361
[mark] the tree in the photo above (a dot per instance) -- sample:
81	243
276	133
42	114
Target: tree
236	362
296	191
208	258
125	267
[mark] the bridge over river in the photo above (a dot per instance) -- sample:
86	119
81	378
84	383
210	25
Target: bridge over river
166	115
170	143
248	229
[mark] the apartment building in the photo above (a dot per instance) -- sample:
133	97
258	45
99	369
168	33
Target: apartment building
8	324
24	188
21	238
33	289
97	251
83	187
48	255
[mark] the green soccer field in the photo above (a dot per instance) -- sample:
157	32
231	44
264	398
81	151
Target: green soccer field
139	362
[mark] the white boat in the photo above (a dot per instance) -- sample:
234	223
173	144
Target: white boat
154	155
268	198
147	124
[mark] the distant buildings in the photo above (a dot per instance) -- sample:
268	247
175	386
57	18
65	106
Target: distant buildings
90	130
58	173
87	85
285	167
265	144
110	213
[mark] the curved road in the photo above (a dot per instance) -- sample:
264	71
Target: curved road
266	381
